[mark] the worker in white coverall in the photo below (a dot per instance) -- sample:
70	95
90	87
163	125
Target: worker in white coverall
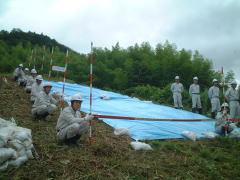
44	104
222	125
18	72
71	126
36	88
232	97
194	92
213	94
22	80
30	80
177	89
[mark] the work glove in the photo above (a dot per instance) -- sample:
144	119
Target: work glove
88	117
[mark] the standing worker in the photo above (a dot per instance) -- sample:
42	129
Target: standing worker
213	94
36	88
70	125
44	104
194	92
177	89
232	97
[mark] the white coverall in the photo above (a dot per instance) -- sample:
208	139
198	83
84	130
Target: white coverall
70	124
36	89
18	73
194	92
213	94
232	96
177	89
43	104
30	82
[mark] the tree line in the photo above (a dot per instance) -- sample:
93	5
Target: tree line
139	70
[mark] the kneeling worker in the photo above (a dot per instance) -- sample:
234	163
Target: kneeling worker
71	126
44	104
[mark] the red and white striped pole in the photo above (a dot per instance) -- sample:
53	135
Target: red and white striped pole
43	58
64	80
50	67
91	70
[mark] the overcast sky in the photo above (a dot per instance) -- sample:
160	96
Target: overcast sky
210	26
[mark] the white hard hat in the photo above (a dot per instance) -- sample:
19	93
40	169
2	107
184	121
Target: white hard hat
215	80
26	69
39	77
195	78
234	82
77	97
33	71
47	84
20	65
177	77
224	105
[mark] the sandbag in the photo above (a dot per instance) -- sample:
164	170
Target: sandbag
140	146
7	153
15	144
17	162
3	166
189	135
121	131
210	134
234	133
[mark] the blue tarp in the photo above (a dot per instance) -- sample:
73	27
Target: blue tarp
121	105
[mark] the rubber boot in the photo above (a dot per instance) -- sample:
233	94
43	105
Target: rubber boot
200	110
213	115
194	110
44	116
72	140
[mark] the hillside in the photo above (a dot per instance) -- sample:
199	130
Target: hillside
110	156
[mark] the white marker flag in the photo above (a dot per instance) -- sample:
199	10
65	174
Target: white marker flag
57	68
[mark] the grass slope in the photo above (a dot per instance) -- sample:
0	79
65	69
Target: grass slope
110	156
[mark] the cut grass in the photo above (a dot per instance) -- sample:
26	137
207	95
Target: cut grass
110	156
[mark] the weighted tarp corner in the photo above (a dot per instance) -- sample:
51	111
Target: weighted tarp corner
121	105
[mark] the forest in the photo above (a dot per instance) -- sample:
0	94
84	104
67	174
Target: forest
139	70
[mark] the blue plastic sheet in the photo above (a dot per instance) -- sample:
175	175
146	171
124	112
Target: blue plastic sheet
121	105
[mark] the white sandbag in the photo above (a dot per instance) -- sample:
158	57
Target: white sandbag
15	144
27	143
121	131
17	162
29	154
4	123
234	133
6	154
21	134
189	135
104	97
210	134
140	146
3	166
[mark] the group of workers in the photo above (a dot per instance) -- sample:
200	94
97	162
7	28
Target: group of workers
70	125
217	112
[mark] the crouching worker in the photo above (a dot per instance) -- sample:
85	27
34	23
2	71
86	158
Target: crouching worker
44	104
30	81
71	126
36	88
222	125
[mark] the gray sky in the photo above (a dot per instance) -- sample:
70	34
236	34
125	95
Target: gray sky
211	27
